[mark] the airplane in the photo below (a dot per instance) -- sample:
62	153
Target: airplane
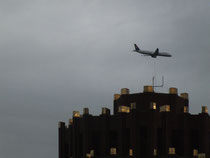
150	53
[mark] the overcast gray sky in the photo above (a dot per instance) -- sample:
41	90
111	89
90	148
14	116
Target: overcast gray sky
57	56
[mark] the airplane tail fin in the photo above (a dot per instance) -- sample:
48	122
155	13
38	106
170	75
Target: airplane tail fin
136	47
156	52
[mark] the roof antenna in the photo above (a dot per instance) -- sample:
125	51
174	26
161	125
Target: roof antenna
153	83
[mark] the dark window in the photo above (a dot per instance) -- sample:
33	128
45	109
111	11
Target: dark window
160	141
209	141
143	140
80	145
126	145
194	139
177	141
96	142
113	139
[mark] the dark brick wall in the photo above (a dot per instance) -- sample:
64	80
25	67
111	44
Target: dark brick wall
142	130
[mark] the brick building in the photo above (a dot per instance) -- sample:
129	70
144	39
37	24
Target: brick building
144	125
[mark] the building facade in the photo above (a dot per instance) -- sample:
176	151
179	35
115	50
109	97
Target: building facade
143	125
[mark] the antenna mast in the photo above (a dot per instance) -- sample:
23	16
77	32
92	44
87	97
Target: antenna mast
153	83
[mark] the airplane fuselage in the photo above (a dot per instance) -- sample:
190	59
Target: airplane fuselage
150	53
